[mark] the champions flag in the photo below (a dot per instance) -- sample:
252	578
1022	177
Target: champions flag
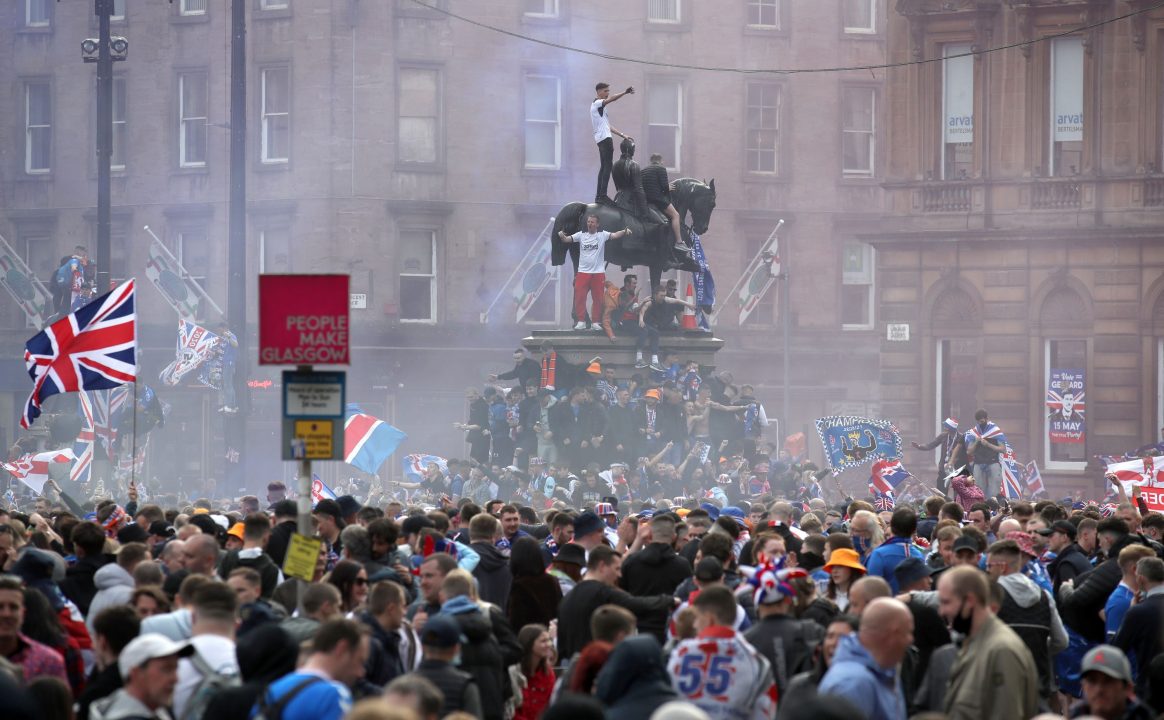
92	348
320	491
887	475
369	441
196	345
33	470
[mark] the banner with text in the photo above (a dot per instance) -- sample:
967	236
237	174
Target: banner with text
1066	406
303	319
958	97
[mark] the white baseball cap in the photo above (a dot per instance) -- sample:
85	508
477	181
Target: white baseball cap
150	646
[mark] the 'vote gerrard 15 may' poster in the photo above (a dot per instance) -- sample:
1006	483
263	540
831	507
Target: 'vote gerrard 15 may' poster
1066	406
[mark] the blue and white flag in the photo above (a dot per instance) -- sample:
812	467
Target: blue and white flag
416	464
850	442
369	441
703	281
320	491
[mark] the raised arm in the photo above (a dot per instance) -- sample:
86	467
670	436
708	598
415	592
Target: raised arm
620	233
564	237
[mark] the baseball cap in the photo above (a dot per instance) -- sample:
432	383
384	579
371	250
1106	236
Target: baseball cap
330	507
965	543
1062	526
587	523
151	646
1108	660
160	527
441	631
910	570
348	505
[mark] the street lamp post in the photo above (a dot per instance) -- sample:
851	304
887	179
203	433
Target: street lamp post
105	58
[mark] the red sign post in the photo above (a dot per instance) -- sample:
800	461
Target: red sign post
303	319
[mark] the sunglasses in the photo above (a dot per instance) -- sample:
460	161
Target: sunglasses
361	581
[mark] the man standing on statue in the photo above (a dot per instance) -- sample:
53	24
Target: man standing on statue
602	135
591	272
657	187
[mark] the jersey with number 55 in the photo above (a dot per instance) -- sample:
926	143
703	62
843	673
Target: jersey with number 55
724	676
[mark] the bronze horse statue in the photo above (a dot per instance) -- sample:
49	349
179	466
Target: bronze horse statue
651	242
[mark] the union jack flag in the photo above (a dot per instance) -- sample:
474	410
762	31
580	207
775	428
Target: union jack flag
93	348
1013	477
991	432
883	503
1034	478
887	475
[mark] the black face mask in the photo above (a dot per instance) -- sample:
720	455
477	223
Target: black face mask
962	622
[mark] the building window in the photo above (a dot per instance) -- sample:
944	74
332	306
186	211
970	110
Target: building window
275	250
957	369
857	287
764	13
664	11
37	13
193	251
859	16
117	161
665	121
763	128
192	101
276	113
957	112
192	7
858	110
1064	422
541	8
418	298
418	107
274	4
118	11
543	122
1066	149
38	128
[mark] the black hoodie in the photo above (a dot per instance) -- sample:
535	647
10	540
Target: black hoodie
634	683
654	570
493	575
268	654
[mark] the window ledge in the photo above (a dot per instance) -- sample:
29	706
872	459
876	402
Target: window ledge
195	170
179	19
859	179
857	328
35	30
272	13
544	172
861	34
267	166
667	27
765	178
767	31
39	177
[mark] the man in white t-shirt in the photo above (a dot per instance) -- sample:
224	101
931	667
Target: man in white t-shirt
602	135
214	614
591	272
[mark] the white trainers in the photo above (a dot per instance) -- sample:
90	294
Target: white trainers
580	326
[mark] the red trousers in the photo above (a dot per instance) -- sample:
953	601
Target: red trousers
594	283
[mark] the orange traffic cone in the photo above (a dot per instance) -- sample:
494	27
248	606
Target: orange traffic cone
688	321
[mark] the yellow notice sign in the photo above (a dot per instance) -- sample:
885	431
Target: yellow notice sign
302	554
316	436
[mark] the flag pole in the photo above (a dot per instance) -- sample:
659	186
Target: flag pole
133	448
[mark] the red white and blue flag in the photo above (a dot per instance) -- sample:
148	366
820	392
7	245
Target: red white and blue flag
1013	475
887	475
416	465
92	348
1034	478
33	470
320	491
369	441
990	432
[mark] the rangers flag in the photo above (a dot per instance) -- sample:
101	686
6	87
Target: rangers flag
320	491
369	441
1034	478
33	470
196	345
92	348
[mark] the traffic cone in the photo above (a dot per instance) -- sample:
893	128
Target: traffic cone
688	321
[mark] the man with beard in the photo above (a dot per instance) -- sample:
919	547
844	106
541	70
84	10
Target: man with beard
525	370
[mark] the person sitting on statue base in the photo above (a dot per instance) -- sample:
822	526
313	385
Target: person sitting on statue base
657	188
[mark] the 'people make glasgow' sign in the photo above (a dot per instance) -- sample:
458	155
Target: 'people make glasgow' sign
303	319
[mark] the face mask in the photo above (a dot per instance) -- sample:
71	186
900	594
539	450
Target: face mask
962	622
860	544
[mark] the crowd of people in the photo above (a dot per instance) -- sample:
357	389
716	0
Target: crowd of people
589	608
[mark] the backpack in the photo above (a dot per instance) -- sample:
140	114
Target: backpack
274	711
212	683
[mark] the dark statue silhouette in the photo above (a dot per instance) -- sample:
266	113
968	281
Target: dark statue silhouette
651	242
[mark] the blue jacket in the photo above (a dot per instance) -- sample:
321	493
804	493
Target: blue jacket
856	677
888	555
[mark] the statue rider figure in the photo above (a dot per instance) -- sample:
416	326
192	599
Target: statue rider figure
657	187
628	182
